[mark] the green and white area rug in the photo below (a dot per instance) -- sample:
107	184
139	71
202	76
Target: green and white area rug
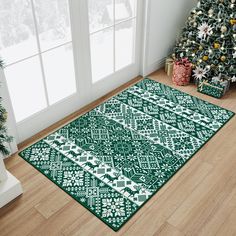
113	159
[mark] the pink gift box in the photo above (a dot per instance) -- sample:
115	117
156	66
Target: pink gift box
182	72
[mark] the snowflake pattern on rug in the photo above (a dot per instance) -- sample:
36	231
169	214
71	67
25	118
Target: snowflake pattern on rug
114	158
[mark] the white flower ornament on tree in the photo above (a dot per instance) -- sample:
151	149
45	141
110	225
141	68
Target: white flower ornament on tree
233	79
204	30
234	54
200	73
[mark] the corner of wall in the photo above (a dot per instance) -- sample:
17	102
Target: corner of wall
158	64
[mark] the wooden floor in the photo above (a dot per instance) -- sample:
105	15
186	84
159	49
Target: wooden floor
199	200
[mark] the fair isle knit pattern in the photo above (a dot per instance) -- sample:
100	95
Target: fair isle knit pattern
113	159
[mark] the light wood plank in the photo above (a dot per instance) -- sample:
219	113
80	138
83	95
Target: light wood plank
35	189
54	225
168	230
52	203
220	216
24	224
229	227
206	198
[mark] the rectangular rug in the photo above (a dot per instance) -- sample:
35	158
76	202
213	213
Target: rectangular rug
113	159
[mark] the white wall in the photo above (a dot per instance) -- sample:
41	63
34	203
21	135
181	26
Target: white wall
164	21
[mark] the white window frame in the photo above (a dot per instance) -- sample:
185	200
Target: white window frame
87	90
80	27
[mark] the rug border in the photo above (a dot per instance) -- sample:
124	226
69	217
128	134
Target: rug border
154	193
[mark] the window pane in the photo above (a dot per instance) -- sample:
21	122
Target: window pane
26	89
124	48
100	14
53	22
124	9
102	52
59	73
17	34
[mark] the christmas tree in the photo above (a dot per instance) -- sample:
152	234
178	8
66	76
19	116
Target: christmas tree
4	138
208	40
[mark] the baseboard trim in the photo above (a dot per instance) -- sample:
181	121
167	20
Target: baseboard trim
154	66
